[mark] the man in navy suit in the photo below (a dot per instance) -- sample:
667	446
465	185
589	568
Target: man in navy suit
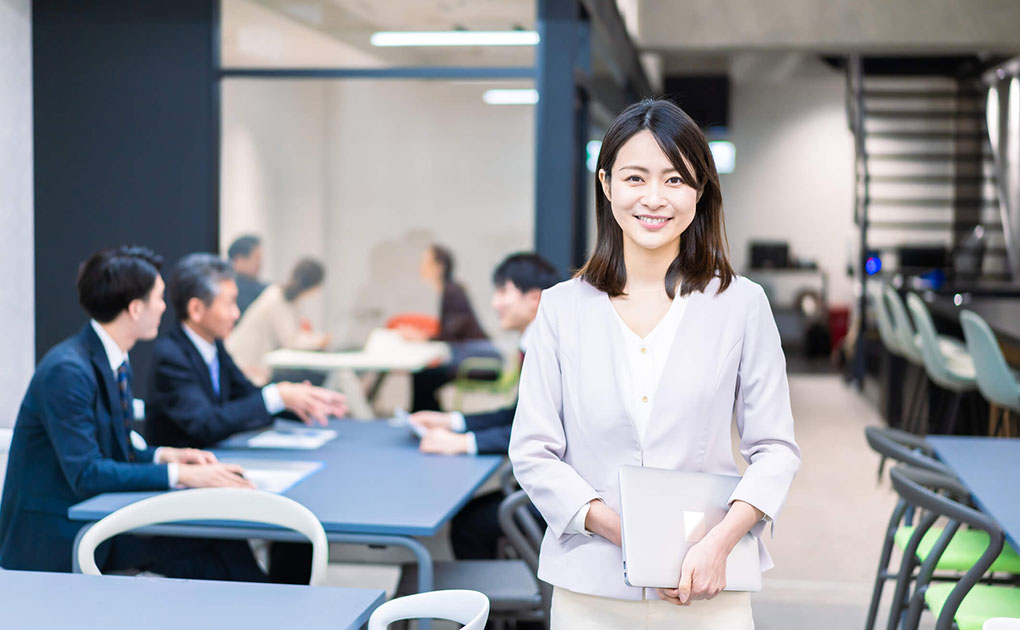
519	281
198	396
72	439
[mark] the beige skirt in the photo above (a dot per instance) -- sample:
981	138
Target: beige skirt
729	610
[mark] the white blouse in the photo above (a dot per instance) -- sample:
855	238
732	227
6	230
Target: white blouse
580	417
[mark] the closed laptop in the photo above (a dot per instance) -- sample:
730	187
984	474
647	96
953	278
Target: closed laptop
665	513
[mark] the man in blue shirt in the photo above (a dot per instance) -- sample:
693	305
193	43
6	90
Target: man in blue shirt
72	439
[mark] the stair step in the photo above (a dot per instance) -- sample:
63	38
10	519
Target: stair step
930	225
926	157
930	179
975	134
921	93
920	202
925	114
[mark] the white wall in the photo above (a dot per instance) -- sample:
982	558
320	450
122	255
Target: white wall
364	174
793	179
17	297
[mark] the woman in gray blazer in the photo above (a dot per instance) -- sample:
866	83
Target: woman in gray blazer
643	359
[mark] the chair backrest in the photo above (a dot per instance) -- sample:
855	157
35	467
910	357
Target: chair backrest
470	608
934	360
521	527
901	325
1001	623
905	448
994	378
206	504
918	487
886	327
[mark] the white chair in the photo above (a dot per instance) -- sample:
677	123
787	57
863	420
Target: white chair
204	504
470	608
1001	623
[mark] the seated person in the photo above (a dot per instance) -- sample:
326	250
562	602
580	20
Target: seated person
245	255
519	280
458	326
197	395
72	439
273	321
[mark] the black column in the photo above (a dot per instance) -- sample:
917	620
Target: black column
126	139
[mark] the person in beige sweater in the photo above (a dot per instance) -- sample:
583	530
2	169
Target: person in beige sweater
273	321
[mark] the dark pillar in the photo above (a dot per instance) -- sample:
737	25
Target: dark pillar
126	141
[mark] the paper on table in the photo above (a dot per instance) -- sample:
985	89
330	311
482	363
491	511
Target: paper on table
274	476
281	437
403	419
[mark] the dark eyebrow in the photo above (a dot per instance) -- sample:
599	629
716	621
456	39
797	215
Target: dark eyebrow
645	170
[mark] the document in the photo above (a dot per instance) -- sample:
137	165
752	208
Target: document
292	437
274	476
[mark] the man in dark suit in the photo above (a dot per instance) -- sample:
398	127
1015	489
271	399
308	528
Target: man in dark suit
72	439
519	281
245	254
198	396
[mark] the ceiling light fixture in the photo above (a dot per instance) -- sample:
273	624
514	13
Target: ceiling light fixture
525	96
455	38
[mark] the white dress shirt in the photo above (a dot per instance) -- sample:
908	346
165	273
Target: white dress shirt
116	357
575	425
639	375
270	393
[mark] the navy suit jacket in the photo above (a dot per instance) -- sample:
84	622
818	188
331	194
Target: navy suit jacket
69	444
183	409
492	430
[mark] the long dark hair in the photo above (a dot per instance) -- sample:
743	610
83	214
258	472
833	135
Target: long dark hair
702	253
444	257
307	274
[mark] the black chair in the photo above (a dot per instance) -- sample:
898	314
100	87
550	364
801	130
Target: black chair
964	597
905	448
512	585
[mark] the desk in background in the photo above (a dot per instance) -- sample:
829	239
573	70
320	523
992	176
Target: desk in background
111	602
987	467
382	354
375	488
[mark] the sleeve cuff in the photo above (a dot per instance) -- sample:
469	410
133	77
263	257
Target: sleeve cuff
472	444
576	524
172	474
272	399
457	422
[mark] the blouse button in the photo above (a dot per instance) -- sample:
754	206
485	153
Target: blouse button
644	399
644	350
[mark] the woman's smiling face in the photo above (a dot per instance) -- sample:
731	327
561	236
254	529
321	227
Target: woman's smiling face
651	202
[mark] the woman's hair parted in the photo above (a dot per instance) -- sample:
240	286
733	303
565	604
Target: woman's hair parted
702	253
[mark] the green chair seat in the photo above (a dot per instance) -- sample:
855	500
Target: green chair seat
982	603
963	550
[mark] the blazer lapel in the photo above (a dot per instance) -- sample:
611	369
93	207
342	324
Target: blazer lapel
114	422
198	363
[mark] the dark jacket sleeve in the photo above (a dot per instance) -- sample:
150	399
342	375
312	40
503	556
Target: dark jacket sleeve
492	430
178	391
68	413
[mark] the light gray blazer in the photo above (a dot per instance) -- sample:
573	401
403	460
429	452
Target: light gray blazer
572	431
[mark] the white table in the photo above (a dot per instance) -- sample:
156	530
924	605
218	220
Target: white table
384	353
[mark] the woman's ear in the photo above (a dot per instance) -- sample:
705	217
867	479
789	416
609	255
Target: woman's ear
604	180
701	191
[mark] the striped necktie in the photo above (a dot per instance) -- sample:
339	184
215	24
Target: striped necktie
126	405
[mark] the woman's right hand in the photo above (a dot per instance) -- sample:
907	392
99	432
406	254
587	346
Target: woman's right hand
604	521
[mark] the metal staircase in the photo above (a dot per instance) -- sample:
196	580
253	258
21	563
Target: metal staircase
925	169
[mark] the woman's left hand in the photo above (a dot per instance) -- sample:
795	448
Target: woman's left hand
703	575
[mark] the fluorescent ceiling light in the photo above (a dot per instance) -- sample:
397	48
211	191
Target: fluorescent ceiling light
511	97
455	38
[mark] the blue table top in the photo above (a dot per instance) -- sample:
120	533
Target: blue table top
988	467
374	481
112	602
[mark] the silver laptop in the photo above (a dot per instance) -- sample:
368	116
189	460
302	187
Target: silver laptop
664	513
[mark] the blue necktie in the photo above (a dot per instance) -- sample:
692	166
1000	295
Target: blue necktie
214	373
126	404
